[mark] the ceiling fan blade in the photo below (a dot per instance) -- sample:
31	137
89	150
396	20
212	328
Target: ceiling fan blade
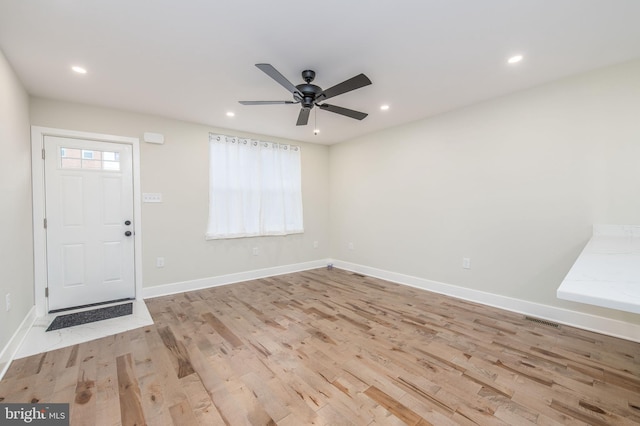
275	74
266	102
353	83
303	117
343	111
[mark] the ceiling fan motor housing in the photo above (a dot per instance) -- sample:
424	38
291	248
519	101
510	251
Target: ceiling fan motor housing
309	93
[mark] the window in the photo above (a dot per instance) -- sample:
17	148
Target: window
254	188
75	158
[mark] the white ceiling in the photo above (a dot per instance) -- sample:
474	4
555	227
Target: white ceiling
194	59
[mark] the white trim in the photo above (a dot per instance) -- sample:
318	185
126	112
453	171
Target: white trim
11	348
38	189
608	326
181	287
137	218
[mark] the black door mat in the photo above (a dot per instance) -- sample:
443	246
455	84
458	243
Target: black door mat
85	317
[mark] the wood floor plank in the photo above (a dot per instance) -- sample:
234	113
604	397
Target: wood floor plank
130	404
107	393
83	410
176	348
204	410
223	330
182	414
65	387
392	405
275	407
333	347
150	383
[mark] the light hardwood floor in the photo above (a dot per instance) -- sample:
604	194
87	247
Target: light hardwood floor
333	347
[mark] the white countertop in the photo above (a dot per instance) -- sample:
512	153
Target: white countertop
607	272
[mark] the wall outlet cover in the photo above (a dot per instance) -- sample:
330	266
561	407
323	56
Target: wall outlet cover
466	263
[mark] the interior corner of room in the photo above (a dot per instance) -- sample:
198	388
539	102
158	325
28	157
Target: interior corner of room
493	203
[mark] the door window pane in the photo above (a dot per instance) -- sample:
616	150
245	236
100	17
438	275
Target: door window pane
110	165
73	158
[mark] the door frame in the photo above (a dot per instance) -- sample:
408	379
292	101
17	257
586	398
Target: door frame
38	134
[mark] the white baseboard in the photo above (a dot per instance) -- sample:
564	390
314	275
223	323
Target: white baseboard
581	320
181	287
10	349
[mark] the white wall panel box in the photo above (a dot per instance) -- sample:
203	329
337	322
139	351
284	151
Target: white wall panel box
154	138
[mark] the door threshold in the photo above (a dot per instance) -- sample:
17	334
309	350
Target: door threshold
90	305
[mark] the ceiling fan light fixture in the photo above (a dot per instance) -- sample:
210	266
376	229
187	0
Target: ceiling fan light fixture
515	59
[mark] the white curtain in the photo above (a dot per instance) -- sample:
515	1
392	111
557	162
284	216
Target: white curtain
254	188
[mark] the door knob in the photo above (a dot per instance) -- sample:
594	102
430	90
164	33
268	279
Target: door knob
128	233
127	222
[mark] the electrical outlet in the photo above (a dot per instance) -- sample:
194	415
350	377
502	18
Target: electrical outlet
160	262
351	246
7	302
466	263
255	251
315	244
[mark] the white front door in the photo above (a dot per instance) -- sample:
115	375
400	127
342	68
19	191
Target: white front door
89	215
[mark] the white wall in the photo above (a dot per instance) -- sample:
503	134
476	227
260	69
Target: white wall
514	183
16	251
178	169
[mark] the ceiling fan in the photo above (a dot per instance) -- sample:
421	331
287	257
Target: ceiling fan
309	95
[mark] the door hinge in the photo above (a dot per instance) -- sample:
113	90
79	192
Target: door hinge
43	153
46	292
45	223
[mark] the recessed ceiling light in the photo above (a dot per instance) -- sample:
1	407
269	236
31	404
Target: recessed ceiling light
515	59
78	69
384	107
231	114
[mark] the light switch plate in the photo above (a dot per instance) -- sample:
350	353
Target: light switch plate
152	197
